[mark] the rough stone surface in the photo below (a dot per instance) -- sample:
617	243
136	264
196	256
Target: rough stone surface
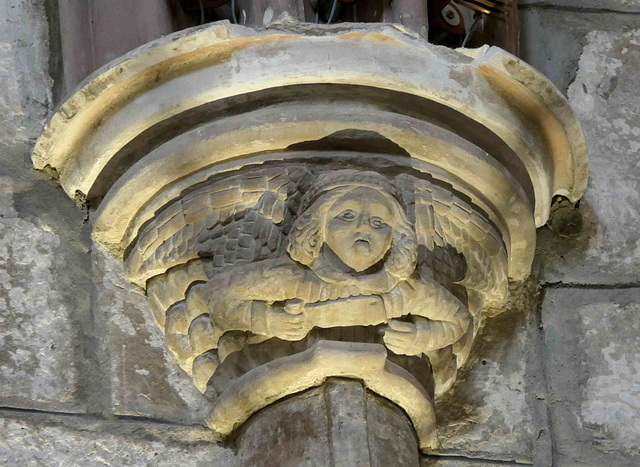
605	97
25	85
495	410
552	40
603	66
143	377
592	337
44	290
44	285
605	5
37	440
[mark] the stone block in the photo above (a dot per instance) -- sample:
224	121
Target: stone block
552	40
45	285
592	337
45	289
495	410
604	96
142	377
25	85
605	5
34	439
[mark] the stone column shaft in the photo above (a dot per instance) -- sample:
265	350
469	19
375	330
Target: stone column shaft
339	424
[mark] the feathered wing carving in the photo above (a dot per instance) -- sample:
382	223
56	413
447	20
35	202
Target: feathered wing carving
171	238
462	247
444	219
219	224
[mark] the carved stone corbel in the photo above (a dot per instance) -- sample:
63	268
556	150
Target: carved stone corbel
306	202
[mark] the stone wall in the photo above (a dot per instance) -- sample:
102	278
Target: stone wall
85	376
589	304
83	379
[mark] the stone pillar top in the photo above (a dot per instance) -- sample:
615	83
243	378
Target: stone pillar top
305	202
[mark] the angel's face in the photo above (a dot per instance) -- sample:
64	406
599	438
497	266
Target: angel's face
359	227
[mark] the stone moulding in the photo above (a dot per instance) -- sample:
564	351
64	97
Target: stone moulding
366	362
215	159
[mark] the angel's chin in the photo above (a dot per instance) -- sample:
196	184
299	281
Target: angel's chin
360	265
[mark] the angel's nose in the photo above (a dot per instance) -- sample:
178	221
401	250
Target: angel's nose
362	224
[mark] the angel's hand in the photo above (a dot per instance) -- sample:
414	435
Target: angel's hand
294	306
286	325
401	337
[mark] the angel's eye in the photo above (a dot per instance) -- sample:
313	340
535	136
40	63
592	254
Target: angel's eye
347	215
377	223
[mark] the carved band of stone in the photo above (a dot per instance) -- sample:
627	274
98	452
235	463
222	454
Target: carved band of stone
367	362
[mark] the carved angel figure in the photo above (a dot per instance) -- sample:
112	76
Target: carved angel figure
275	254
352	255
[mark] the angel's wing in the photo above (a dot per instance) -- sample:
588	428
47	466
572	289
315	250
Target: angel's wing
461	247
446	222
217	225
214	220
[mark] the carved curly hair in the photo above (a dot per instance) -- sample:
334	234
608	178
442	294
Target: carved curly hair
307	235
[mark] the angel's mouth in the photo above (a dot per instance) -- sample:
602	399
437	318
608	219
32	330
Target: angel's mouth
361	242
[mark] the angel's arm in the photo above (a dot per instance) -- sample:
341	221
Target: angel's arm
263	319
244	300
438	318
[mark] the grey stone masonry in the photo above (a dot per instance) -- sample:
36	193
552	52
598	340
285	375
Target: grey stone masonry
591	342
140	376
25	85
595	58
32	439
45	290
44	267
434	461
496	409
